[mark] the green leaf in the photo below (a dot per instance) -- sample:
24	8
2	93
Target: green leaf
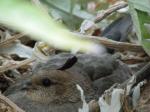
26	17
69	10
140	10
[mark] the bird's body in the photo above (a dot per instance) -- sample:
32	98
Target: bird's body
53	90
32	106
52	85
118	30
61	96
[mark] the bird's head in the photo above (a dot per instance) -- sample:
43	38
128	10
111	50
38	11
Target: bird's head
52	86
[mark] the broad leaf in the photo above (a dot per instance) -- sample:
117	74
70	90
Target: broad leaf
140	10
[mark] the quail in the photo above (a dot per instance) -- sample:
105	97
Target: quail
52	85
53	89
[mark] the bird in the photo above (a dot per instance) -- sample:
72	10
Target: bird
51	89
51	86
118	30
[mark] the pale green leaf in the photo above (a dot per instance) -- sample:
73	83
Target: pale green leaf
26	17
140	10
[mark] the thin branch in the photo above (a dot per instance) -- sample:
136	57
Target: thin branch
15	65
9	103
11	39
110	10
120	46
141	75
135	59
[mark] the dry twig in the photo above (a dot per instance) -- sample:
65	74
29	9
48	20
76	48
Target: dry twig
120	46
11	39
110	10
15	65
9	104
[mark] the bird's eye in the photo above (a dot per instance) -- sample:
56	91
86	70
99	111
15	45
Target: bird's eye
46	82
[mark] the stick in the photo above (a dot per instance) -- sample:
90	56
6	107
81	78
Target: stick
141	75
144	73
9	103
15	65
121	46
11	39
110	10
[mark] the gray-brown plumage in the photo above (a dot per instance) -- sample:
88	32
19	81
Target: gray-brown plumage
52	90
